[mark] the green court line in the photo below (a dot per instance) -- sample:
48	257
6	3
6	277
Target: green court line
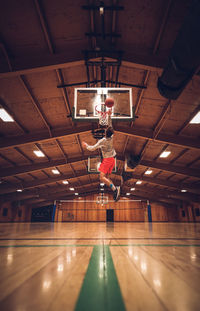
93	245
100	290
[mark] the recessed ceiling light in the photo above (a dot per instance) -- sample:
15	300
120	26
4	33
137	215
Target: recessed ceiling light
183	190
76	193
55	172
139	182
19	190
196	119
65	182
132	189
72	189
39	153
165	154
148	172
5	116
127	193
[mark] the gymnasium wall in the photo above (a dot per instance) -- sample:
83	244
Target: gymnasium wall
86	209
91	211
13	213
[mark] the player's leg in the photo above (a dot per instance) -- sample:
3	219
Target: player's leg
116	190
104	178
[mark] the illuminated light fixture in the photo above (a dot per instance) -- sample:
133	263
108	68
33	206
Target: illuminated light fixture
101	10
76	193
183	190
139	182
65	182
39	153
148	172
55	171
19	190
127	193
5	116
102	189
132	189
165	154
102	184
196	119
72	189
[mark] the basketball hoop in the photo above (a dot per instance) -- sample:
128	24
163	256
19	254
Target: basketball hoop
102	114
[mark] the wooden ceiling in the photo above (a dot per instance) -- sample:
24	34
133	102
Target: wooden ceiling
45	44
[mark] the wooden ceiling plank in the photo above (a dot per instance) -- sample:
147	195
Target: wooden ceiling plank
34	101
42	63
179	155
162	119
62	150
5	52
192	162
181	141
162	26
187	122
23	154
132	132
39	147
64	92
42	136
44	25
8	160
38	166
152	180
13	115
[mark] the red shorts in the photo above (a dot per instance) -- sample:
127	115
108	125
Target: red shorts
107	165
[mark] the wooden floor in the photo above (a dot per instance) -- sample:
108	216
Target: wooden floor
100	266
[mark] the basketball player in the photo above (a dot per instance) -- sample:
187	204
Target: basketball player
108	153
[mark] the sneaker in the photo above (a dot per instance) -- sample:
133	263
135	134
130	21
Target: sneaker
116	194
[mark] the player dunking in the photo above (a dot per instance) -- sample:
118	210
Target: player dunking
108	153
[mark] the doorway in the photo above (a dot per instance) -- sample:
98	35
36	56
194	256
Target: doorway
110	215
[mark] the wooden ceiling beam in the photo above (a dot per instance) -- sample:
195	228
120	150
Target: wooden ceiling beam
13	115
176	140
73	57
44	25
181	141
34	101
39	166
172	168
42	136
164	182
170	194
187	122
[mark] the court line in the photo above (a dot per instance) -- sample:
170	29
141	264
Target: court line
93	245
100	289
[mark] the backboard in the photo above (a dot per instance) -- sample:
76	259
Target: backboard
102	199
88	100
94	163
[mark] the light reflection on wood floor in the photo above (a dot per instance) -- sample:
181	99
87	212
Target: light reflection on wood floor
42	266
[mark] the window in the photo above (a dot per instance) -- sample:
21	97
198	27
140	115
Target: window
5	212
183	213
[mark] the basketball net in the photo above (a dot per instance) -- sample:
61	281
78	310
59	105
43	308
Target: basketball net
103	115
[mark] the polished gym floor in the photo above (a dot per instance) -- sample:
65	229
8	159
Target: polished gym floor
100	266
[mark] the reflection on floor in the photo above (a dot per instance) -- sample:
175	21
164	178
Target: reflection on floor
99	266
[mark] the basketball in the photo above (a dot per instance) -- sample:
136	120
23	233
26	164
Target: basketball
109	102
